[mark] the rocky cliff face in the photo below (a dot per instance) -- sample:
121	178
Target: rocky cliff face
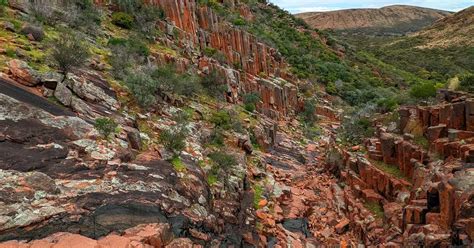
396	19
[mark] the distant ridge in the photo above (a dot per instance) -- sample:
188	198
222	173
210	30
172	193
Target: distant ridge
397	19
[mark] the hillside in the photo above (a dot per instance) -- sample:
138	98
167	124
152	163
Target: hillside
453	30
397	19
438	52
184	123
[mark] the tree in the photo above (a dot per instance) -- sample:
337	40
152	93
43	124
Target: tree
69	52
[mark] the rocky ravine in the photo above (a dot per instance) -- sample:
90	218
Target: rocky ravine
62	185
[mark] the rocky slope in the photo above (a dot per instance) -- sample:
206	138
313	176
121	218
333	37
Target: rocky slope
243	178
397	19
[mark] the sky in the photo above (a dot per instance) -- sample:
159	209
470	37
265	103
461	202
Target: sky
298	6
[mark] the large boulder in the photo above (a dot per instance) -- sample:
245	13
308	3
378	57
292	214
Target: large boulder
34	33
90	92
23	73
63	94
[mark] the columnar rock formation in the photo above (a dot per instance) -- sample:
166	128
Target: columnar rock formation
430	199
249	65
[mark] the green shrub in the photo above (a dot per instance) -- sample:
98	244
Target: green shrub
357	126
250	101
423	90
105	126
140	12
312	132
214	85
331	88
216	138
172	82
68	52
309	112
123	20
215	54
224	161
10	52
239	21
174	139
257	195
143	88
466	83
125	53
81	15
386	105
221	119
117	42
178	164
3	4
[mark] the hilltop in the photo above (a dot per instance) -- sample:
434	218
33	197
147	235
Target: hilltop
396	19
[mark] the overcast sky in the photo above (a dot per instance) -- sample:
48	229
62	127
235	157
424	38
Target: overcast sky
297	6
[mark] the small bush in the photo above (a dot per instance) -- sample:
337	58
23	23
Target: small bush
221	119
312	132
140	12
466	83
126	53
176	83
331	88
216	138
10	52
178	164
174	139
423	90
239	21
68	52
143	87
105	126
122	20
309	112
386	105
224	161
250	101
214	85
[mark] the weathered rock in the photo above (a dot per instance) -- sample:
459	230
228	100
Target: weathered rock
8	26
36	33
23	73
133	136
156	235
51	79
63	94
83	87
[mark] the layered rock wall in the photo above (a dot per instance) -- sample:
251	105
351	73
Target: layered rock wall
247	64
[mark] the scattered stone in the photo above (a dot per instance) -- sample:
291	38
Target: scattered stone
34	33
342	226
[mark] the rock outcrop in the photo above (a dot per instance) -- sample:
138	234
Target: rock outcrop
422	177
